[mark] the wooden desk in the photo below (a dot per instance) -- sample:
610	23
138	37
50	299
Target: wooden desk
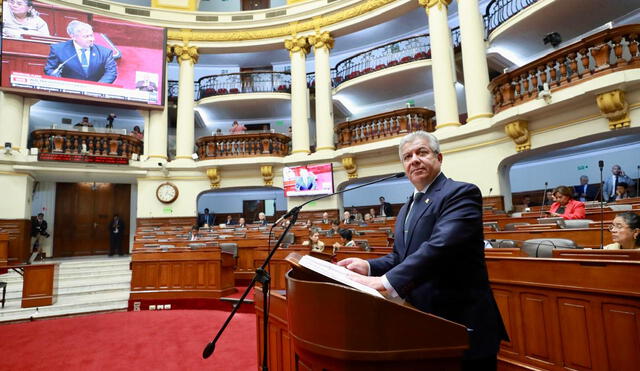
39	283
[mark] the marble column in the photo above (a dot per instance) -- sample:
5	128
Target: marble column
442	68
298	49
474	61
322	43
185	128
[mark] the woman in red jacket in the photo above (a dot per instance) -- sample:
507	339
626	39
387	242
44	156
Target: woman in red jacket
565	206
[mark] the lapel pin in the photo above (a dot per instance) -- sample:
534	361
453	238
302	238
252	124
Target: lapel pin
426	201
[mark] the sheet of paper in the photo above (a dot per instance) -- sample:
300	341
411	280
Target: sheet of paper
336	273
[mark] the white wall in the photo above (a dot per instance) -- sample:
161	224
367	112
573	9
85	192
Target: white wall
16	189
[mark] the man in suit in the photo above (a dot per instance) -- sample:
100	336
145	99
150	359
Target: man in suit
385	208
437	263
306	180
79	58
584	191
38	230
611	183
262	219
205	220
116	230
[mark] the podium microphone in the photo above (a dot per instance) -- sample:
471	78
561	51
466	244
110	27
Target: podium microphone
262	276
601	166
544	198
58	71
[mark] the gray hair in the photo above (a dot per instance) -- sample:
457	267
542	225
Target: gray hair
75	25
431	139
584	177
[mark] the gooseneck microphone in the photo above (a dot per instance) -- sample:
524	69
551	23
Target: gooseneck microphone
601	166
262	276
58	71
544	198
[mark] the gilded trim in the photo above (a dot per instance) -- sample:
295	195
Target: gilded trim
326	147
456	124
479	116
280	31
158	156
301	151
184	157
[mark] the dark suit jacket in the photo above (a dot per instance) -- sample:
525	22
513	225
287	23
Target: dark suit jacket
592	191
120	228
388	210
205	219
102	67
440	268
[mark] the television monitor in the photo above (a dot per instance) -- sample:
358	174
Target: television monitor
71	54
309	180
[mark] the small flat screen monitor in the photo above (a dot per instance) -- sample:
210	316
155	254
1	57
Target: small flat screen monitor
309	180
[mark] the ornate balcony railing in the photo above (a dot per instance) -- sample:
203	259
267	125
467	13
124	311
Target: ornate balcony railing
172	90
499	11
85	143
245	82
385	125
599	54
243	145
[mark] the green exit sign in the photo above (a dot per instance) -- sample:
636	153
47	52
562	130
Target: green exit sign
583	167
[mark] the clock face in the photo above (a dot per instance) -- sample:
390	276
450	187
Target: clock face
167	192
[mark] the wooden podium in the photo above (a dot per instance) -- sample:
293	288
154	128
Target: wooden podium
334	327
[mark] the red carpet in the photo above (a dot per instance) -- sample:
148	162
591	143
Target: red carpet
147	340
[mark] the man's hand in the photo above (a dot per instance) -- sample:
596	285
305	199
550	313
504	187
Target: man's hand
373	282
357	265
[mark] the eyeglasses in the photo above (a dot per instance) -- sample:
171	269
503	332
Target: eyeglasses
17	2
617	227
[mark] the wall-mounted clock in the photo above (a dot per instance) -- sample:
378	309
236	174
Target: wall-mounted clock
167	192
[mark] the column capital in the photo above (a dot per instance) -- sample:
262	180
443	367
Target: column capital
170	54
185	52
321	40
297	44
431	3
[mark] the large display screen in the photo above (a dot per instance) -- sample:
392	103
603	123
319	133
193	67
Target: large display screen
52	50
308	180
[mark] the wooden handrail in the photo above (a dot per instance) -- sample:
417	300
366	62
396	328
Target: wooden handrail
596	55
243	145
384	125
95	144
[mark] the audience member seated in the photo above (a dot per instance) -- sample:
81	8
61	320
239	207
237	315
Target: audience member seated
335	229
262	219
219	131
356	216
194	233
565	206
549	199
347	218
325	218
314	242
625	231
236	128
346	237
136	133
372	212
84	123
229	220
367	217
584	192
285	223
621	191
19	18
610	183
526	202
241	223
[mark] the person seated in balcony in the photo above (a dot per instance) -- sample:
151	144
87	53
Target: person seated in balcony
622	191
314	242
625	231
230	220
110	119
565	206
237	128
346	237
262	219
136	133
219	131
19	18
84	123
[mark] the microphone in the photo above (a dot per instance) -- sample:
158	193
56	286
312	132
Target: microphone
490	189
262	275
601	166
58	71
638	183
297	208
544	198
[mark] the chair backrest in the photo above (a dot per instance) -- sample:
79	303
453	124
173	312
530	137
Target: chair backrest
553	220
577	223
543	247
623	207
503	244
229	247
492	225
363	244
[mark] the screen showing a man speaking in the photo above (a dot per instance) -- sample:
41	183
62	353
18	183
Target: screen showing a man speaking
62	51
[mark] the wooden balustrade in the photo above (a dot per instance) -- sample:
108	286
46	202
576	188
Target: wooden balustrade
243	145
385	125
596	55
85	143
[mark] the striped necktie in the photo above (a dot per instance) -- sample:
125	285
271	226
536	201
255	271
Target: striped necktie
409	220
84	61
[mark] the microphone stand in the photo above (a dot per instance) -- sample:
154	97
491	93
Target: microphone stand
601	165
638	183
262	276
544	198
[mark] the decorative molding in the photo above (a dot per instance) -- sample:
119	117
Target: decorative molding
479	116
170	54
267	174
615	108
292	28
519	131
350	166
454	124
214	177
186	5
321	40
297	44
185	52
428	4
